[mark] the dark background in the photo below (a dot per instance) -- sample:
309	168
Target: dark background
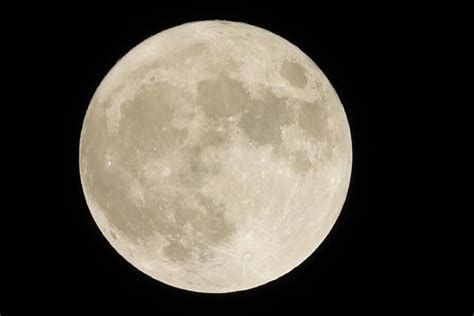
344	269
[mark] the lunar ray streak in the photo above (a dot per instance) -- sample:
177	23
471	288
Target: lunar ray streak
286	209
244	272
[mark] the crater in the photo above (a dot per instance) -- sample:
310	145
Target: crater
294	73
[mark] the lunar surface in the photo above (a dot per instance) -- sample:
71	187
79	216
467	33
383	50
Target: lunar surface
215	156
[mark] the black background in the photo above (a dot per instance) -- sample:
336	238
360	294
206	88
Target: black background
343	270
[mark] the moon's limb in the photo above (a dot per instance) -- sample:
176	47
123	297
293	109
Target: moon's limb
215	157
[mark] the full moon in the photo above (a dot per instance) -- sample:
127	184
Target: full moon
215	156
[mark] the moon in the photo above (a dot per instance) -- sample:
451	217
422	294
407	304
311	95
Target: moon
215	156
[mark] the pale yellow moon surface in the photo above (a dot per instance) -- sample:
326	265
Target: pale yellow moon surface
215	156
